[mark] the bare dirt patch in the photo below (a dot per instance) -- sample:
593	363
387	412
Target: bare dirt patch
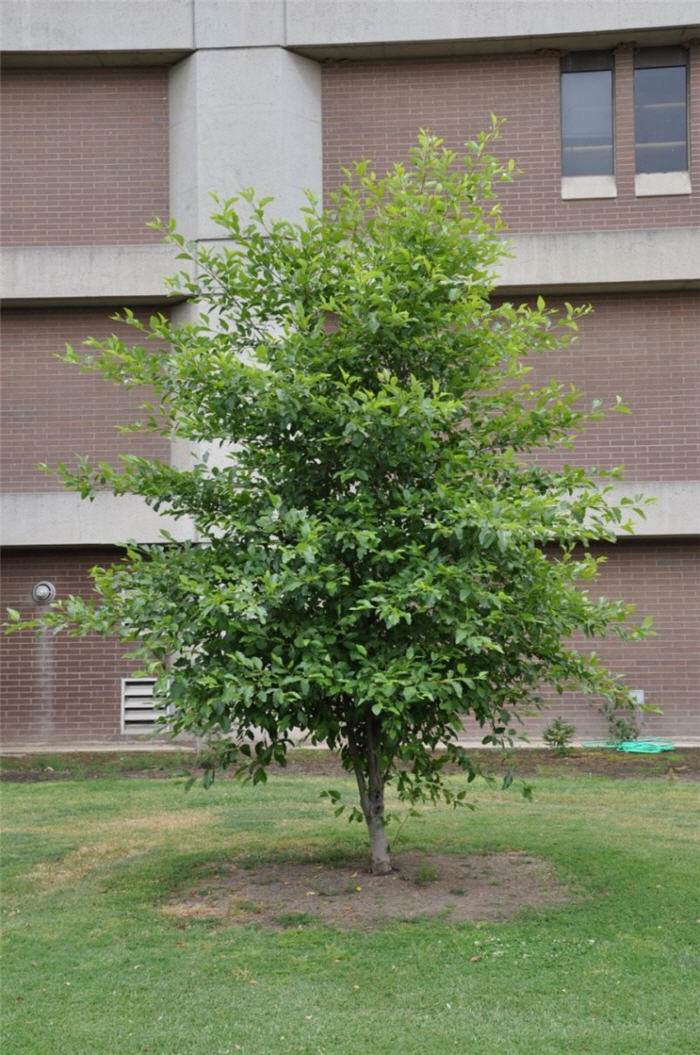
77	865
451	887
683	765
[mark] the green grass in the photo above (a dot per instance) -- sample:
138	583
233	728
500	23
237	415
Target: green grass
93	966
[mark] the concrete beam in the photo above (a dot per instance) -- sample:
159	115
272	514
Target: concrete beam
243	23
595	261
89	30
55	26
99	274
364	21
64	519
240	118
590	261
675	512
371	29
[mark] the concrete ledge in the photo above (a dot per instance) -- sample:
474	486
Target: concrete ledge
594	261
675	513
95	31
102	274
660	184
578	187
64	519
659	258
367	29
87	25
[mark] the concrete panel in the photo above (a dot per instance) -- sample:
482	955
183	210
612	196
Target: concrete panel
64	519
107	274
362	22
243	23
87	25
675	513
133	27
661	258
615	260
240	118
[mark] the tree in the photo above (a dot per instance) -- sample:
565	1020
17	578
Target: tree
378	550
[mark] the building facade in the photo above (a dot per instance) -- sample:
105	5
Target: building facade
116	113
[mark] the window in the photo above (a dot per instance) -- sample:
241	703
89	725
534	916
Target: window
587	114
661	120
587	156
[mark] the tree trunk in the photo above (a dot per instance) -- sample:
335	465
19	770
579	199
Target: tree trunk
380	859
370	782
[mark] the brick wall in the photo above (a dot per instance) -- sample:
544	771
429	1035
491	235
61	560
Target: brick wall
374	109
61	689
644	347
56	688
50	411
662	578
84	155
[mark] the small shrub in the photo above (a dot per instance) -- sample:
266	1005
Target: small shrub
294	919
425	874
558	735
622	724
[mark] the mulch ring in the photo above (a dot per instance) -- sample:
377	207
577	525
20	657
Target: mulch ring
450	887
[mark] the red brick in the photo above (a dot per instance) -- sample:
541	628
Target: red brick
84	155
58	689
50	411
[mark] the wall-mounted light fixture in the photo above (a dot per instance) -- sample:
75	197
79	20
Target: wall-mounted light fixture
43	592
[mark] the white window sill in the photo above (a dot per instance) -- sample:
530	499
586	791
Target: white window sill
573	187
655	184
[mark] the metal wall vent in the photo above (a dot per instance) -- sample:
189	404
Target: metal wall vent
139	708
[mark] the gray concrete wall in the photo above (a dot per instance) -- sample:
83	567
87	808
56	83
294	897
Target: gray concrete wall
579	262
64	519
105	274
656	258
328	22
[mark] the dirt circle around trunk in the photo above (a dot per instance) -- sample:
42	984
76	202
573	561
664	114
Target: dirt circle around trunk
449	887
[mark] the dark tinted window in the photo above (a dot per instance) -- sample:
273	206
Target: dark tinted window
660	119
587	123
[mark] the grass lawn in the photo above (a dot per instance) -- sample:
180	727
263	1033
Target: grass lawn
94	965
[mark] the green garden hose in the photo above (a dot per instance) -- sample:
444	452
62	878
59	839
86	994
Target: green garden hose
636	747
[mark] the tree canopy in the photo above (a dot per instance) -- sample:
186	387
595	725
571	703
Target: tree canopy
377	551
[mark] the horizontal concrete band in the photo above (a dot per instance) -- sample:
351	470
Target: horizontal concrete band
63	519
663	258
108	274
387	26
656	258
